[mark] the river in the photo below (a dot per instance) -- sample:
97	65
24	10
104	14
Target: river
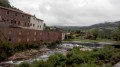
61	48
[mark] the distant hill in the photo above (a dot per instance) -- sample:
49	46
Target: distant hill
106	25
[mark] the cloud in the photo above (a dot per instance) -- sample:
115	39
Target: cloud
71	12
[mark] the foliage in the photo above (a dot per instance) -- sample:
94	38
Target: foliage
24	64
89	65
4	3
93	33
39	64
103	57
97	57
57	60
115	34
20	47
6	50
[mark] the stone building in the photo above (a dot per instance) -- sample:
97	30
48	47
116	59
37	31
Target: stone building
19	27
36	24
17	18
14	17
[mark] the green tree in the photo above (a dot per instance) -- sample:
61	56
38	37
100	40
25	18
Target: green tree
92	34
5	3
57	60
53	60
6	50
115	34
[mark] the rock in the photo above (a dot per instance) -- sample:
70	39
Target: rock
117	65
27	54
44	49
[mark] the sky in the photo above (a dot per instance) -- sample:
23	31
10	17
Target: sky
71	12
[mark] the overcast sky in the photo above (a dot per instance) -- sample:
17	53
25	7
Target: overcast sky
71	12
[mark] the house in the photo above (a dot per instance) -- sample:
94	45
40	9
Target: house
19	27
36	23
16	18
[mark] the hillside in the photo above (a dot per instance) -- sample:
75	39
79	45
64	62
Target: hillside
106	25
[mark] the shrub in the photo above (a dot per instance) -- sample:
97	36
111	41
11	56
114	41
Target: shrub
39	64
24	64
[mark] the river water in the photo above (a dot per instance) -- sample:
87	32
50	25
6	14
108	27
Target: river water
61	48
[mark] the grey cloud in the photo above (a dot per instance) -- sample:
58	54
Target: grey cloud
72	12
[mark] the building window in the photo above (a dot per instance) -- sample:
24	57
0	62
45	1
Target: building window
7	12
16	14
22	15
38	26
3	19
9	39
28	24
15	22
33	25
11	21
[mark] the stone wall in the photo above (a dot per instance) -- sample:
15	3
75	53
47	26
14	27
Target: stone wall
17	35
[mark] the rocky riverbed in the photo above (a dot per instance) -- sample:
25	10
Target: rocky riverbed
27	54
43	53
22	56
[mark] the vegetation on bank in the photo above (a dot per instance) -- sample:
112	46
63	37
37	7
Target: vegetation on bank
95	35
7	49
79	39
103	57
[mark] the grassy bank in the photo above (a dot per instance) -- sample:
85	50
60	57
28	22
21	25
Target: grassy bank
89	40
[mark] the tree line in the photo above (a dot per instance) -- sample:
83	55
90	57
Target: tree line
103	34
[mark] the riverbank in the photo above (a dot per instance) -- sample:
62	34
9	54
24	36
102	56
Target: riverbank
103	57
92	41
27	54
